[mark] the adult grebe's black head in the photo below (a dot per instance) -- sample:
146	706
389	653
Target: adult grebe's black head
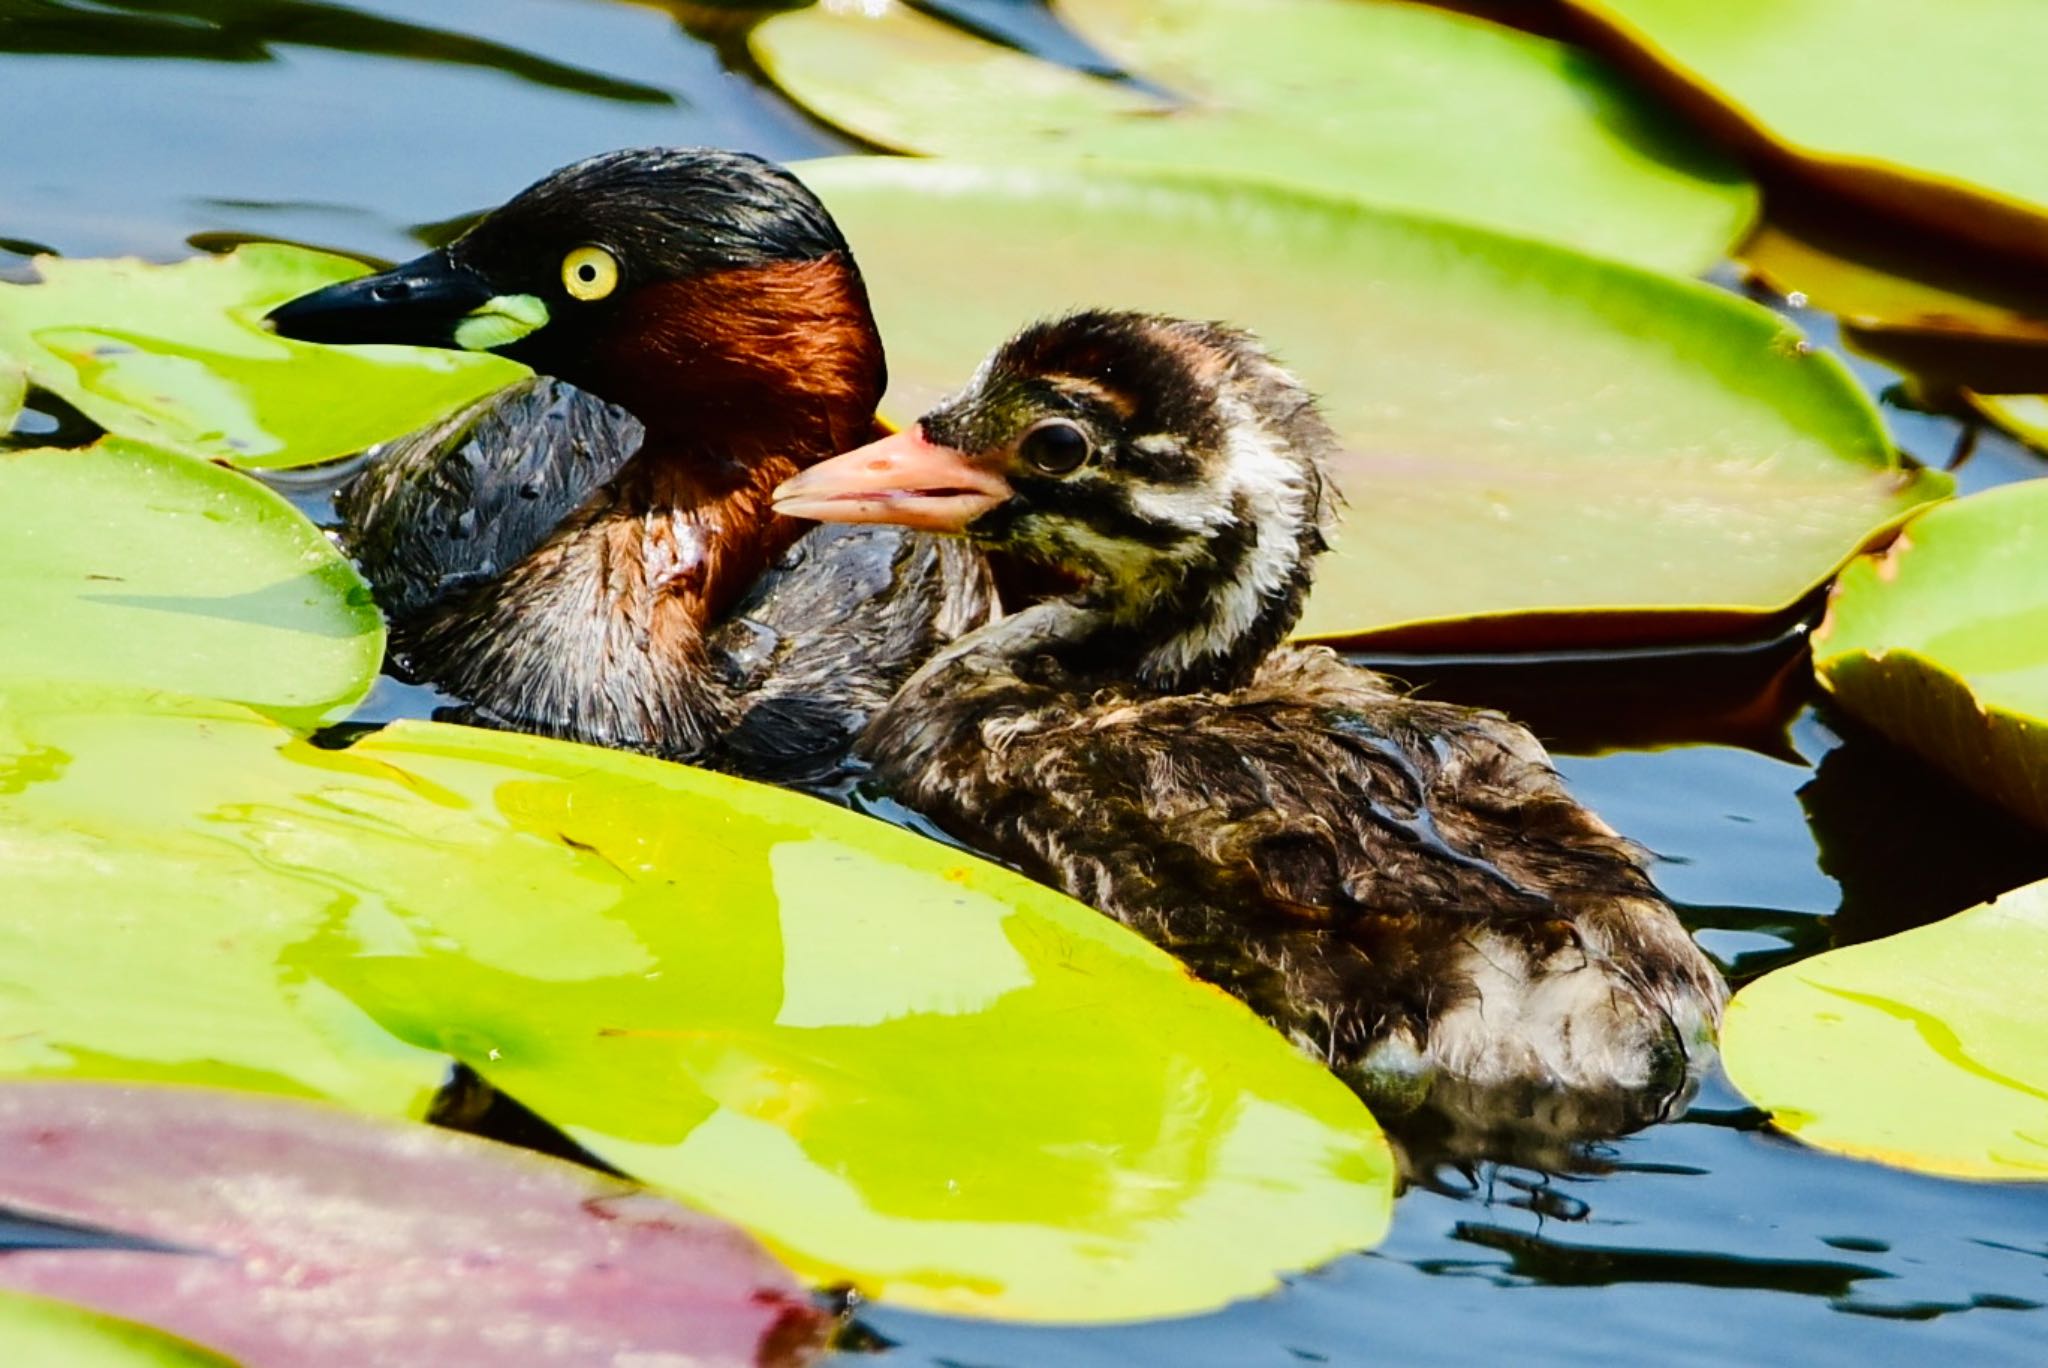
649	277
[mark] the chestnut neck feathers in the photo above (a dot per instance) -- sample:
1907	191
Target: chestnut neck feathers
1196	514
747	364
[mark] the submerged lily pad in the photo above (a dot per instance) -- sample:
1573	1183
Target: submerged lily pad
1934	112
127	565
1941	642
897	1064
1396	103
288	1234
1928	1049
2025	416
38	1333
1542	448
177	356
1948	324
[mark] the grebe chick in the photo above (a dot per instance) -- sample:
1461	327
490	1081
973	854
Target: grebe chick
1403	887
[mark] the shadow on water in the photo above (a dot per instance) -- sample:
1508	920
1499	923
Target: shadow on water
1535	1259
1906	843
1736	693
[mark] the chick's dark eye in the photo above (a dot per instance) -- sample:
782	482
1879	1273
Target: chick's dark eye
1055	448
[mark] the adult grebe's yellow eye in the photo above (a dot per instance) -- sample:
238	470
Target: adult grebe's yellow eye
590	273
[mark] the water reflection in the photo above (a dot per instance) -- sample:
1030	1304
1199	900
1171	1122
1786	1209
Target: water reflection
1709	1242
252	30
1533	1258
418	112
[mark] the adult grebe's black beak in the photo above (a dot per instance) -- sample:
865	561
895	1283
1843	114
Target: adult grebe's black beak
424	303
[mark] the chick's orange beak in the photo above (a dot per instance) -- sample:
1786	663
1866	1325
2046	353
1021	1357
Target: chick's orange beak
902	479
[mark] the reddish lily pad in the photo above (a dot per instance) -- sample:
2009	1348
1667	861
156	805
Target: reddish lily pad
294	1235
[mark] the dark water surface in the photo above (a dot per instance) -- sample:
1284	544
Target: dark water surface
140	126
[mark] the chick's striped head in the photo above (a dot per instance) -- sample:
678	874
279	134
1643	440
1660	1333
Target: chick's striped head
1142	454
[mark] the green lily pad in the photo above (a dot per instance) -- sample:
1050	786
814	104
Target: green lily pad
126	565
1933	112
13	393
177	356
1542	448
1927	1050
1396	103
897	1064
284	1233
38	1333
1941	643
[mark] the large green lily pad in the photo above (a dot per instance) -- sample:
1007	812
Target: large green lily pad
177	356
1941	642
289	1234
1541	447
1927	1049
1935	112
895	1063
39	1333
1396	103
128	565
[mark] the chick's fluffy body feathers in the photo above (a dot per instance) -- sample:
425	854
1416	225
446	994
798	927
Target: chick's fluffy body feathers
1404	887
